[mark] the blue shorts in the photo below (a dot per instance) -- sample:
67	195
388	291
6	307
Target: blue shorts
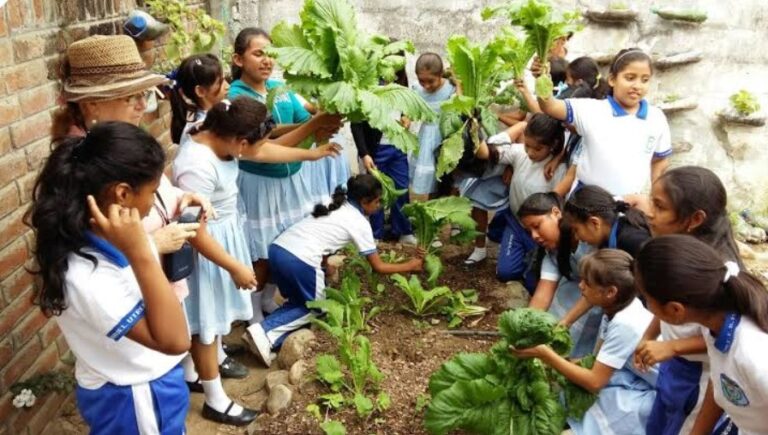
159	406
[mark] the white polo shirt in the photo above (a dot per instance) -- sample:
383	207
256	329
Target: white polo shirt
527	176
103	303
617	148
621	335
312	238
738	359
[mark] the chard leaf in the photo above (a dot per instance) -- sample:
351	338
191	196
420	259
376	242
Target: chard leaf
450	123
527	327
333	427
489	121
476	406
329	371
339	97
363	405
450	153
577	399
463	366
407	102
301	61
332	400
288	35
434	268
389	192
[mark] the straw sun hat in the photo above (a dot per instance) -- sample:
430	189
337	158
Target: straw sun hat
106	68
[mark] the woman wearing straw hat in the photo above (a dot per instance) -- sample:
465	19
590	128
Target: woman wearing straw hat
105	79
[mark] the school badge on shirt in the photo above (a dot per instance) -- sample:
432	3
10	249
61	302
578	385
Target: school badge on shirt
651	144
732	391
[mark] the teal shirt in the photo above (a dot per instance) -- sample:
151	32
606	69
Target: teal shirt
287	109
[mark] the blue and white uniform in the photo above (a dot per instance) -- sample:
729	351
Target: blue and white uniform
617	148
622	406
295	263
738	357
422	165
214	302
585	330
123	387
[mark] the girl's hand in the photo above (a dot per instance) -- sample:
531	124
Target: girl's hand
121	227
244	277
421	252
531	352
550	168
171	237
652	352
416	264
327	150
327	122
520	85
196	199
368	163
536	67
405	122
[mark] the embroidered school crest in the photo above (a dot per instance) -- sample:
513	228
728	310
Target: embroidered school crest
732	391
650	144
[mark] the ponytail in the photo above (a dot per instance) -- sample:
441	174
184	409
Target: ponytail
595	201
112	152
362	187
683	269
241	118
338	199
592	84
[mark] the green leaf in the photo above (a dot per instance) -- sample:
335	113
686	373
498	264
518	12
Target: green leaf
577	399
301	61
527	327
363	405
744	103
489	121
544	86
329	371
288	35
314	411
460	105
450	122
463	366
389	192
383	401
408	102
333	427
476	406
333	400
434	268
450	154
339	97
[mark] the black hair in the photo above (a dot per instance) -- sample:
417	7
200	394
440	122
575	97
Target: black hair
693	188
202	70
557	67
112	152
610	267
592	84
594	201
362	187
241	118
242	41
626	57
547	131
684	269
431	63
540	204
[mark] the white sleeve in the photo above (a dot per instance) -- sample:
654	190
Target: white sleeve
511	155
199	178
110	302
619	343
663	146
499	138
362	236
579	111
549	270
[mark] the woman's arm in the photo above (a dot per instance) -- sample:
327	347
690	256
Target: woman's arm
658	166
651	352
297	135
241	274
592	380
709	414
564	186
269	152
580	308
553	107
543	295
380	266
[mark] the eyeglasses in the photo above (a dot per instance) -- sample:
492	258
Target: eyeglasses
134	99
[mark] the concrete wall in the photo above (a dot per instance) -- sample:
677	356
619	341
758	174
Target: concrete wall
733	41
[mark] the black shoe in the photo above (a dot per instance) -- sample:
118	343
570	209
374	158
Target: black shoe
245	417
233	349
232	369
195	387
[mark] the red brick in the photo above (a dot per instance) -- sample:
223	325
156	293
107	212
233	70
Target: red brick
5	139
31	129
33	45
6	51
26	75
47	412
6	351
28	328
12	227
39	11
9	200
37	153
38	99
48	335
9	111
16	284
6	407
17	13
12	257
13	165
20	363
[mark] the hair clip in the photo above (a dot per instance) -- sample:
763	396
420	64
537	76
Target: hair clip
266	126
198	62
731	270
227	104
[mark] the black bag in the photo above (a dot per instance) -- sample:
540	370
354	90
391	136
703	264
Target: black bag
176	265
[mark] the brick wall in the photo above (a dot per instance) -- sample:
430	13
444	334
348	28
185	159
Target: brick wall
32	34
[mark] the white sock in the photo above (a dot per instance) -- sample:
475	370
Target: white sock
258	316
478	254
222	355
268	304
190	374
217	398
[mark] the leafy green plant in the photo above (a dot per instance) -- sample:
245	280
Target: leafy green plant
345	309
744	103
328	58
434	268
577	399
389	192
497	393
207	34
355	261
461	306
333	427
392	256
429	217
423	302
691	16
542	26
53	381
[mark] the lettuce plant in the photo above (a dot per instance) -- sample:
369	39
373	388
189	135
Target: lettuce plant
423	302
744	103
328	58
389	192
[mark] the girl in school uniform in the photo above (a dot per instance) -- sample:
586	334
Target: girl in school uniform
558	288
685	200
274	196
102	279
208	164
623	118
296	256
434	89
624	394
685	280
541	139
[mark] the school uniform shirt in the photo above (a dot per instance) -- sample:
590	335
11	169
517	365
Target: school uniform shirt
626	237
620	337
738	359
312	238
527	176
617	148
104	303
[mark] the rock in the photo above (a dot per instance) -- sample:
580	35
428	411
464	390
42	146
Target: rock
680	105
510	295
297	372
753	120
294	347
279	399
280	377
614	16
673	60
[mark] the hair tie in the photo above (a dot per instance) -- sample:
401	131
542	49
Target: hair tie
266	126
731	270
198	62
597	81
227	104
622	207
